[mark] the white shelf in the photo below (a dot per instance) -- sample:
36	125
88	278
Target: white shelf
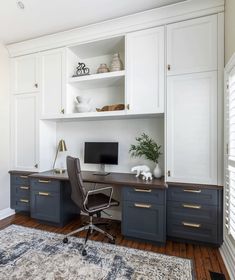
101	80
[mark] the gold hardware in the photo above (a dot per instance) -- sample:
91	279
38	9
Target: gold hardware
191	225
143	190
62	111
191	206
36	165
24	200
24	188
24	177
193	191
44	193
128	106
142	205
44	181
36	85
168	173
168	67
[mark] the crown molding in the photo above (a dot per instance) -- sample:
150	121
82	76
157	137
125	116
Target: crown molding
119	26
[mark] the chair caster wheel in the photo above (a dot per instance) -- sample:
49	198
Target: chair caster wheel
112	241
84	252
65	240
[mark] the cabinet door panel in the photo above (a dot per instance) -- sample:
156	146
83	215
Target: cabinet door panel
192	128
25	131
52	82
25	74
192	46
145	71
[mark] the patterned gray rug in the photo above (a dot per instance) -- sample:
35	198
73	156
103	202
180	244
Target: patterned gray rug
27	253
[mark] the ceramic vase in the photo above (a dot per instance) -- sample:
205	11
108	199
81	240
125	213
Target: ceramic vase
103	68
116	64
157	172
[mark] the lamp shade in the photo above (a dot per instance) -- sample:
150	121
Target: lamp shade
62	146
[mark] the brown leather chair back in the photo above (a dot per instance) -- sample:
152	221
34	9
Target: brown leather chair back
74	172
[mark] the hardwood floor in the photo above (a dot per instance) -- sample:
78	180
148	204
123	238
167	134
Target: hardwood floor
205	258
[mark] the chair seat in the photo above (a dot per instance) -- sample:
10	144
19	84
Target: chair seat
100	200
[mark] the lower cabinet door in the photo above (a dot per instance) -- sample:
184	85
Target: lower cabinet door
144	221
45	206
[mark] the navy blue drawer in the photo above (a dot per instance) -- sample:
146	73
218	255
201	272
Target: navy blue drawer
20	190
45	185
143	195
191	195
189	230
191	211
20	203
20	179
144	221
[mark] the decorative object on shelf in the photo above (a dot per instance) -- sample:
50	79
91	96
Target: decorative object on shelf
157	172
114	107
83	104
61	148
147	176
81	70
139	169
103	68
149	149
116	64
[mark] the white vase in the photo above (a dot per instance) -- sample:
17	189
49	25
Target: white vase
157	172
116	64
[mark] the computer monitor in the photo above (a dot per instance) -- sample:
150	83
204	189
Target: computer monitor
101	153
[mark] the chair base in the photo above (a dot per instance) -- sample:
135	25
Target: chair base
90	228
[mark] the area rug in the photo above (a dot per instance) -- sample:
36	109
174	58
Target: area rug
27	253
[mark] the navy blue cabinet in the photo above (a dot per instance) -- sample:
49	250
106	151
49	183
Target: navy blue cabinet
194	213
144	214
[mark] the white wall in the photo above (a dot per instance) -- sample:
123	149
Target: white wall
229	29
122	131
5	129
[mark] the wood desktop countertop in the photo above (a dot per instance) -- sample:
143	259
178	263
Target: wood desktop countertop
118	179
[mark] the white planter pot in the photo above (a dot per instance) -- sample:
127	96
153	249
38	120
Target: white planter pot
157	172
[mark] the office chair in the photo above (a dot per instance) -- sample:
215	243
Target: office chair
91	202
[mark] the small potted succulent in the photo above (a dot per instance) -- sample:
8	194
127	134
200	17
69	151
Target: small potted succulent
149	149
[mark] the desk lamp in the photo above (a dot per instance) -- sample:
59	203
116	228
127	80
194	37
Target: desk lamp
61	148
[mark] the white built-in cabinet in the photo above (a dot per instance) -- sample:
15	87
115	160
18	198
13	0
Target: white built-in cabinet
52	71
145	71
192	118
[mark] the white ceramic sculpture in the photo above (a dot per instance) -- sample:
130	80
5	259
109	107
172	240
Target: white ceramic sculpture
83	104
140	169
147	176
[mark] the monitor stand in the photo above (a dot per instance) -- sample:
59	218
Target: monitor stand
102	171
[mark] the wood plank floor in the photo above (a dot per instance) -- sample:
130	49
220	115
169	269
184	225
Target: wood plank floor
205	258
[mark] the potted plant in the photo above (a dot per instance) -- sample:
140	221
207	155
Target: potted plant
149	149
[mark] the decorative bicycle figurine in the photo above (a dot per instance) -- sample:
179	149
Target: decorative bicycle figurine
82	70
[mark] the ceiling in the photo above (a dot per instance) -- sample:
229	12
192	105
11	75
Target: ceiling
42	17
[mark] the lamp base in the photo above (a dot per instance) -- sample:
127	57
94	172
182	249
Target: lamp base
59	171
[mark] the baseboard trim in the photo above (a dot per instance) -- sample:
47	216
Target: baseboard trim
228	258
4	213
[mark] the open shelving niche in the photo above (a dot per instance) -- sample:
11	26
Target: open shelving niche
102	89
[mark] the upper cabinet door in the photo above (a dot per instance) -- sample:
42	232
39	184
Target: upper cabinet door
192	46
145	71
192	128
25	132
25	74
52	80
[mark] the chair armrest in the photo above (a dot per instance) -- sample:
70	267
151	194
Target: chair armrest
98	191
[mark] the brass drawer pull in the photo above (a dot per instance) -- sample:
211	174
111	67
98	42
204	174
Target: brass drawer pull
143	190
24	200
192	206
44	193
193	191
191	225
24	177
24	187
143	205
44	181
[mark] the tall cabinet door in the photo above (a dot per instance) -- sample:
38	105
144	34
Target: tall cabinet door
52	79
25	74
25	130
192	46
192	128
145	71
